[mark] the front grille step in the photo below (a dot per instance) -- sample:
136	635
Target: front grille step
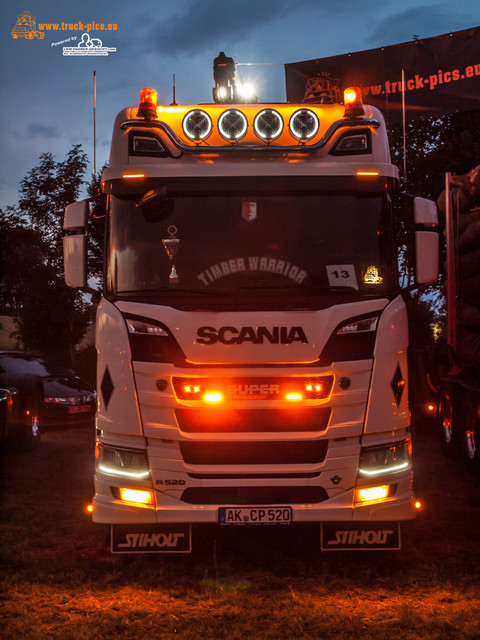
254	495
227	453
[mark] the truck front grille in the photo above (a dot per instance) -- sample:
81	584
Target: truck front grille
230	453
254	495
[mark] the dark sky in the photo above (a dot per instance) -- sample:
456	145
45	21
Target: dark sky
46	97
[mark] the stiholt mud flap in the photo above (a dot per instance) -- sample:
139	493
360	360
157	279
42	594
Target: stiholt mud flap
151	538
360	536
177	538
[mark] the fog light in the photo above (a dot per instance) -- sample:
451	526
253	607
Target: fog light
372	494
136	495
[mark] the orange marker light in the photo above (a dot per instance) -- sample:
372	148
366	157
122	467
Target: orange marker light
133	175
294	397
90	508
213	397
368	173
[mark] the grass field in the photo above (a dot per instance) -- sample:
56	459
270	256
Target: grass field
59	579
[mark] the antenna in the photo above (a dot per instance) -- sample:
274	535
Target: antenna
94	124
173	104
405	175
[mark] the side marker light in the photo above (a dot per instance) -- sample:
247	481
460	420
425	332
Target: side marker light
133	175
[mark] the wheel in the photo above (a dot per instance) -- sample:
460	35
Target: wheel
471	432
449	419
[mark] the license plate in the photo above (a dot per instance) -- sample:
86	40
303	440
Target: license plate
84	408
255	515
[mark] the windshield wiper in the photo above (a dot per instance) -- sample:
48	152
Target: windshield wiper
174	289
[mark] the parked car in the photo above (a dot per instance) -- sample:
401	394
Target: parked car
49	394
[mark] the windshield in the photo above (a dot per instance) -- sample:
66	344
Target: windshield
267	248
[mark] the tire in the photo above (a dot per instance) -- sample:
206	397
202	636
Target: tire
471	432
450	419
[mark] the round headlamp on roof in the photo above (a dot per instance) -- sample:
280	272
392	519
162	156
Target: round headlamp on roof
268	124
232	124
197	125
304	124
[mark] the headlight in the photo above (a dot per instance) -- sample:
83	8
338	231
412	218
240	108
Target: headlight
123	463
376	461
144	328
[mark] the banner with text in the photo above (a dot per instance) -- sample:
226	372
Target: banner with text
441	75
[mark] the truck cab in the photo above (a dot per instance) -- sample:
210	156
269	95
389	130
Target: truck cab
252	334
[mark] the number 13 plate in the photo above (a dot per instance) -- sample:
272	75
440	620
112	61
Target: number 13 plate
255	515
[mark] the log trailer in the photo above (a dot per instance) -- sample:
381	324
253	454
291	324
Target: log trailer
252	333
455	363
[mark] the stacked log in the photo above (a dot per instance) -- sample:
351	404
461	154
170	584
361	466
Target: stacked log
466	209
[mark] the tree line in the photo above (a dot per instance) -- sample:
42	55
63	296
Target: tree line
51	317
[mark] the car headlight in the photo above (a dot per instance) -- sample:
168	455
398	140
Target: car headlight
120	462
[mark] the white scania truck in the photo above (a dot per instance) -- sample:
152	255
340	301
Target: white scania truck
252	335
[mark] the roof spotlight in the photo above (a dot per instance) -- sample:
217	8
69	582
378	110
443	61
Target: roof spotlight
232	124
268	124
304	124
197	124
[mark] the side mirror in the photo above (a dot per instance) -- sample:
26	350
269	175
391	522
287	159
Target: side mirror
75	260
75	244
76	216
426	256
426	241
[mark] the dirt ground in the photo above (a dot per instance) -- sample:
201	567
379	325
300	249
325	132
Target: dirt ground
59	580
